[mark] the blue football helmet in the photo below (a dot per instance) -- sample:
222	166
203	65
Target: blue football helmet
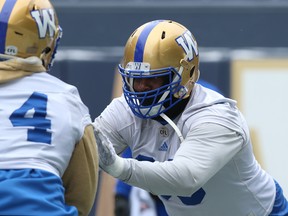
29	28
159	48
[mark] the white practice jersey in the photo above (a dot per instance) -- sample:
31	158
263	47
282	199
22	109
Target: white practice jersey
42	118
212	172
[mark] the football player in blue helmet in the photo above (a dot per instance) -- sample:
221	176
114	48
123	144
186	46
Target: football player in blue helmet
48	153
124	199
190	145
155	52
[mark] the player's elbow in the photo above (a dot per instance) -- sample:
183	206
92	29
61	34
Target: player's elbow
186	181
187	187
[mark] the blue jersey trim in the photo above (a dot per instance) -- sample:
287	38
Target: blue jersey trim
4	17
280	207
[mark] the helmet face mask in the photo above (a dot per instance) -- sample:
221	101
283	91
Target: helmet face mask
143	104
159	48
29	28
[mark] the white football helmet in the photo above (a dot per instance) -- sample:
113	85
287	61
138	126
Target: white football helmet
159	48
29	28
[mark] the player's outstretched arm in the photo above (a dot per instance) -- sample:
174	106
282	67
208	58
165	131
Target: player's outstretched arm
109	161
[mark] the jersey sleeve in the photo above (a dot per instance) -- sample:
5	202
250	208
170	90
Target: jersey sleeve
203	153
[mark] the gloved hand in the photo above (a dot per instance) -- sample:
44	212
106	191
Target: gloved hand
122	206
109	161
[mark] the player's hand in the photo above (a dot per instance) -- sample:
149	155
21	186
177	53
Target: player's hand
109	161
106	151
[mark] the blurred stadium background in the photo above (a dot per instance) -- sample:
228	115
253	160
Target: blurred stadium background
243	48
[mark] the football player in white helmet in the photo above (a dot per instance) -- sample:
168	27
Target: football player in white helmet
190	145
48	152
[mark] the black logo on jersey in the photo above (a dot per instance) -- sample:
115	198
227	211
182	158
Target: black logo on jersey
164	132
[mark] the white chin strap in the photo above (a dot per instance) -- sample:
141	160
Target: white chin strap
173	125
166	118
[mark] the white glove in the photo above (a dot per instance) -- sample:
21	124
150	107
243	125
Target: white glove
109	161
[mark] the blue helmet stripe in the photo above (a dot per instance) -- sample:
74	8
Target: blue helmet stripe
4	17
139	49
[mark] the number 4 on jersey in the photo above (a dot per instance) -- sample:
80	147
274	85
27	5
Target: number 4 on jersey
37	102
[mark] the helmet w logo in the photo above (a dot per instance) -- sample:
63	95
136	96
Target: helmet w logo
45	20
189	45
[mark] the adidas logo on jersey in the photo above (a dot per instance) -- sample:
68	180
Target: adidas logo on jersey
163	147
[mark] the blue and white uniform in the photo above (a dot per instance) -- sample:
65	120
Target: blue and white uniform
212	172
42	119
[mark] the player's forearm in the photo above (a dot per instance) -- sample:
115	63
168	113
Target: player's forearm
197	160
